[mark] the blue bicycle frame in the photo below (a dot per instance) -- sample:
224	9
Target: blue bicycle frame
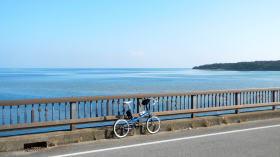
134	120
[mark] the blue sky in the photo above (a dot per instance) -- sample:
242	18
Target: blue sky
137	33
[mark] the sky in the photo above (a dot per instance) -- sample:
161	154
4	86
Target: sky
137	33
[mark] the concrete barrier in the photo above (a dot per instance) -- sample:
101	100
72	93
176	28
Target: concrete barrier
17	143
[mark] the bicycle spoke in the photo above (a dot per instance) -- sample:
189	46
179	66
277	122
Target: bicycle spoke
153	125
121	128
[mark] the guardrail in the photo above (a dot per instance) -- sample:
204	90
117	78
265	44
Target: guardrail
38	113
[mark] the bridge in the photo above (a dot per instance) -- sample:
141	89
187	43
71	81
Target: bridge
250	139
50	122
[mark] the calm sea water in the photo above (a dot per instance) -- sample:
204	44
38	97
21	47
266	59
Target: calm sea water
53	83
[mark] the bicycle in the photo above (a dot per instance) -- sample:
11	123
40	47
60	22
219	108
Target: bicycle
122	126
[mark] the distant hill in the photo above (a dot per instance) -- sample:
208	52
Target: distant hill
243	66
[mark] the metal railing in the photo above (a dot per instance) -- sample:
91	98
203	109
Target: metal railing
37	113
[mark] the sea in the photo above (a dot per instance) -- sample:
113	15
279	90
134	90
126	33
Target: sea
33	83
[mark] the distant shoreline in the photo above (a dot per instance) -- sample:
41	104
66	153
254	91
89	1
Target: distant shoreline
242	66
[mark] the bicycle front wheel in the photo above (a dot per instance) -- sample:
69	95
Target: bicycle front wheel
121	128
153	125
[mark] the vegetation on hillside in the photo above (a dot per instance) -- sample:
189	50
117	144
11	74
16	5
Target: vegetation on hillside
243	66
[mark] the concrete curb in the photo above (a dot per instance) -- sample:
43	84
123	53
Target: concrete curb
16	143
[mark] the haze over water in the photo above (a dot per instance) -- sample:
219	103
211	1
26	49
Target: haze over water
53	83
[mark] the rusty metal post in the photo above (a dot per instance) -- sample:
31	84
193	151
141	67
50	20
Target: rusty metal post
237	101
113	107
25	113
53	112
96	108
3	116
193	104
32	114
273	99
72	115
167	103
18	114
103	108
139	109
108	108
39	113
123	107
11	116
85	109
139	102
46	112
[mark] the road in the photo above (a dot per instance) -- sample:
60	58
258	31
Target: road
248	139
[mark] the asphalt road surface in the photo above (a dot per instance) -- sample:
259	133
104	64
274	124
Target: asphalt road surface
248	139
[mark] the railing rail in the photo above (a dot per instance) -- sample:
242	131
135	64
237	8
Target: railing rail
76	99
36	113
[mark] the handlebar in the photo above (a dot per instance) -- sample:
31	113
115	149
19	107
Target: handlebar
155	100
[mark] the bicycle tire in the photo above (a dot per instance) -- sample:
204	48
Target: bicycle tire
121	128
153	124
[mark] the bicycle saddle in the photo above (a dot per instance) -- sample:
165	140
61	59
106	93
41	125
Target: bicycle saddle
127	102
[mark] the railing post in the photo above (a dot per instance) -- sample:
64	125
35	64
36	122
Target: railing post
237	101
46	113
139	109
32	114
11	115
167	103
72	115
123	111
273	96
194	104
108	108
273	99
139	102
103	108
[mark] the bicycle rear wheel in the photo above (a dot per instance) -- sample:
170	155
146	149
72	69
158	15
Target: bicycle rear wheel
153	125
121	128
